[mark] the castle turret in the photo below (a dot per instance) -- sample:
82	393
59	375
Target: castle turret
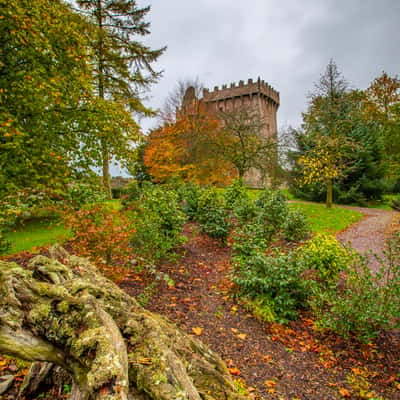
258	95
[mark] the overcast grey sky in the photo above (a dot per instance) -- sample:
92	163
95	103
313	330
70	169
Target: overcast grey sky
286	42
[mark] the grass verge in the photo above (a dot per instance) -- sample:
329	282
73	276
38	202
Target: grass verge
327	220
36	233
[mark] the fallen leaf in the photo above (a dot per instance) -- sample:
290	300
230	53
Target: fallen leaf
270	384
234	371
344	392
197	331
242	336
104	391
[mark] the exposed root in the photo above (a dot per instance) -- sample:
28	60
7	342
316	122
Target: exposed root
62	311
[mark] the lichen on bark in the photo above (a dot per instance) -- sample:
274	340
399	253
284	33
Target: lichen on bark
62	310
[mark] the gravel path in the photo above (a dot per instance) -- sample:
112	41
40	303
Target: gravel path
371	232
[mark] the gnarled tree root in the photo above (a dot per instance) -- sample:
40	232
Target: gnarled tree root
63	311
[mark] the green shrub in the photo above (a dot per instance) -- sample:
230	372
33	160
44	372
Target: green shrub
235	193
276	280
248	240
273	212
296	226
178	186
158	222
79	193
22	205
212	215
362	304
4	244
43	202
190	195
164	203
324	254
132	193
149	242
245	211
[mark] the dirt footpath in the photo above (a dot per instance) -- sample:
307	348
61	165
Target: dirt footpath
370	233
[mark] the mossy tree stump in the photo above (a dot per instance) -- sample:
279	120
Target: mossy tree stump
62	310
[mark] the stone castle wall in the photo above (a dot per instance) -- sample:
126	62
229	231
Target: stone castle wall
254	95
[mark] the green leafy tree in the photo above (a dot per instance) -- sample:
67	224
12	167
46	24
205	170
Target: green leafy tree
322	161
242	143
45	89
339	150
383	106
122	69
137	167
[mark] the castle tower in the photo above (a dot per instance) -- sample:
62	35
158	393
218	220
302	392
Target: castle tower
253	95
257	96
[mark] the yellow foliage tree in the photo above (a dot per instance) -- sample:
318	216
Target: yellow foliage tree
324	162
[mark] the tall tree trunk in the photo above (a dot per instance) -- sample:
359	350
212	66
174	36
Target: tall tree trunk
106	169
100	82
329	193
61	310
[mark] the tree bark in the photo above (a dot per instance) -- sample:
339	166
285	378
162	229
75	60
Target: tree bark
61	310
329	193
106	169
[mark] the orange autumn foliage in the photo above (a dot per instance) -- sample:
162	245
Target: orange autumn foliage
185	149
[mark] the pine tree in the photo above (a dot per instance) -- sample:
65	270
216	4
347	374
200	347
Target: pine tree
322	121
123	67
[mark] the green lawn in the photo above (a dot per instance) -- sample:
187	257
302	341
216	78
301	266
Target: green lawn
36	233
114	204
322	219
327	220
42	232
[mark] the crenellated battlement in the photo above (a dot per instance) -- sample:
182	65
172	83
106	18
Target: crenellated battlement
242	89
258	97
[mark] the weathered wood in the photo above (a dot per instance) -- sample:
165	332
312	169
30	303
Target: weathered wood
37	373
62	310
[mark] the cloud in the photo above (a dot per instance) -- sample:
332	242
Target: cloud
288	43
